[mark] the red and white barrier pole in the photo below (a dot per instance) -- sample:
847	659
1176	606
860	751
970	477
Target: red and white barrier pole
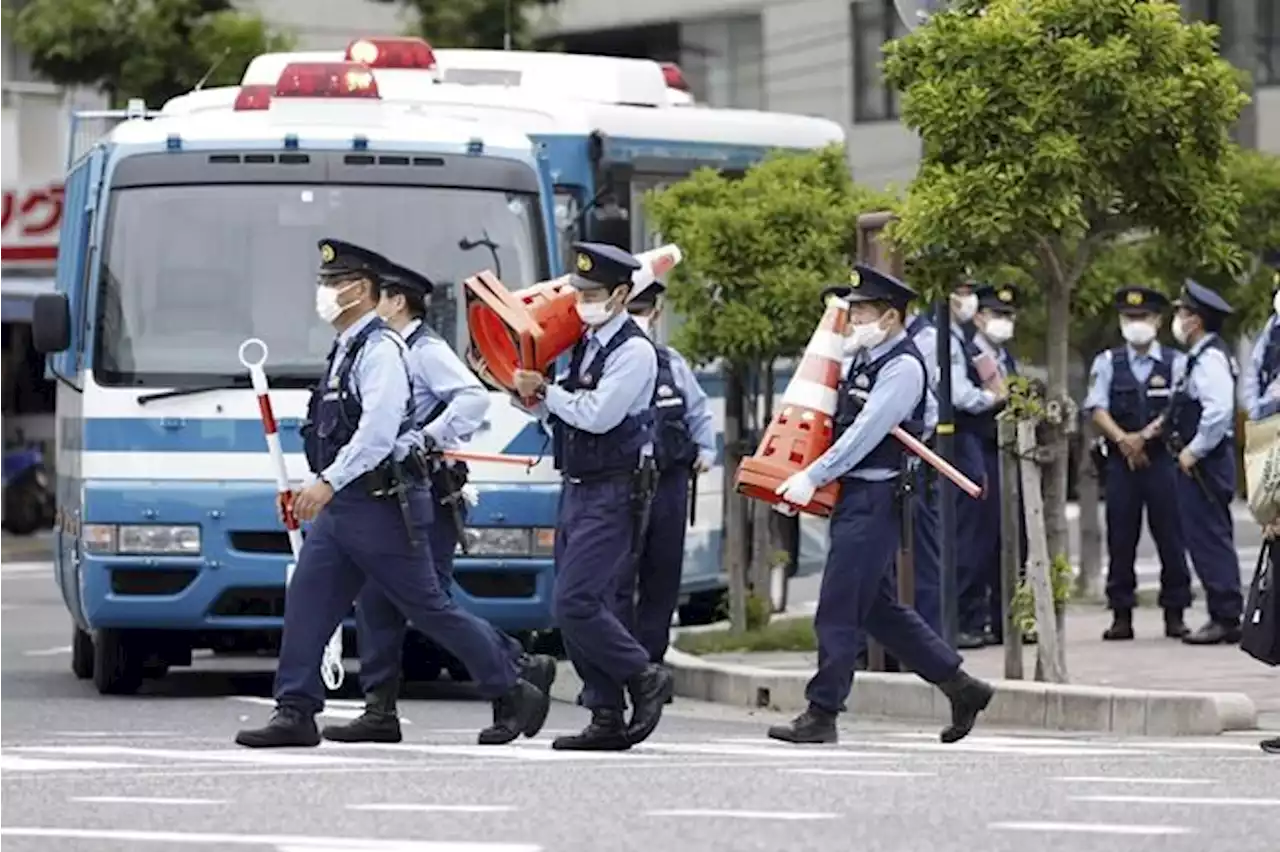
331	670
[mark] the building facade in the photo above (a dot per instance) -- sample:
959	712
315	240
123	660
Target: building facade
821	58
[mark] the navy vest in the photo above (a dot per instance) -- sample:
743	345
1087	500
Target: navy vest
1185	410
673	445
852	395
918	323
1270	359
423	332
1133	404
585	455
982	425
334	410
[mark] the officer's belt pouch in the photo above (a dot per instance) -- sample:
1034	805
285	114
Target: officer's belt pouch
379	482
1262	468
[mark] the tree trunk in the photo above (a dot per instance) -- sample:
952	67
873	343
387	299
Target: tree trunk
1090	527
1058	356
736	550
766	534
1010	556
1038	561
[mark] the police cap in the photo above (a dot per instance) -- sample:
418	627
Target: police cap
1140	300
404	278
867	284
648	297
338	258
1002	299
599	266
1199	299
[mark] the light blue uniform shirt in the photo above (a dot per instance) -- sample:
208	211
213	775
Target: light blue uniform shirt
440	376
1141	364
1212	383
1254	399
697	416
625	388
381	383
965	395
926	340
891	401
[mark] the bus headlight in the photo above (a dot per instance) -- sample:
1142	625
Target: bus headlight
510	541
141	539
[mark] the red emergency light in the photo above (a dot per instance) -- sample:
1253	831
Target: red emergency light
254	97
391	52
674	76
326	80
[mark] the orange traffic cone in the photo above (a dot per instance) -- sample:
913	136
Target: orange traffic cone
528	329
805	428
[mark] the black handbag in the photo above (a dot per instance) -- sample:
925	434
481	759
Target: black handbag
1260	632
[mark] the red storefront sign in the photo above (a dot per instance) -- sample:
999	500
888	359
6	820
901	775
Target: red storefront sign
32	217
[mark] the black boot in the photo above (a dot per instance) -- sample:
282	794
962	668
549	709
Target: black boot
1121	626
1271	746
1215	633
607	732
379	722
289	728
969	697
812	727
539	670
1174	626
649	692
523	710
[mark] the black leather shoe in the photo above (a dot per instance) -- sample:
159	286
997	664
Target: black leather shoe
1214	633
1174	625
969	641
523	710
969	697
607	732
814	726
289	728
539	670
1271	746
1121	626
649	692
379	723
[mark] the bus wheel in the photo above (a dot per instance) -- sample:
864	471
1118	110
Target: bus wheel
117	662
81	654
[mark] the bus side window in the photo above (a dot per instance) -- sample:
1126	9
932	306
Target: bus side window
74	270
568	209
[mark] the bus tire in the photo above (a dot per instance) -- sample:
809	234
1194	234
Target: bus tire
81	654
117	662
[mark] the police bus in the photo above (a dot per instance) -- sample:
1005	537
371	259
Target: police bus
187	232
610	130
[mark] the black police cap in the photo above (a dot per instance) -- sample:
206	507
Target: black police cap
404	278
867	284
648	297
1002	299
343	258
602	266
1140	300
1199	299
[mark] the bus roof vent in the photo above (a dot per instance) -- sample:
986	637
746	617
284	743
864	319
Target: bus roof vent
594	79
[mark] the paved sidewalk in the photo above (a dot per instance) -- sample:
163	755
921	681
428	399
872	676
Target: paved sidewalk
27	548
1148	662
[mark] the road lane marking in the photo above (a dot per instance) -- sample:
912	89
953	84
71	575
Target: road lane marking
888	749
392	807
1107	779
340	708
862	773
1180	800
298	843
14	763
144	800
240	756
787	816
48	652
1090	828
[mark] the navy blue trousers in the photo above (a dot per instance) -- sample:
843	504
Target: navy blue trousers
1210	533
858	594
970	576
1154	488
981	596
357	541
593	558
648	597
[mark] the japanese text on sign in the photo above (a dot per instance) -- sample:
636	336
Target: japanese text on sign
32	217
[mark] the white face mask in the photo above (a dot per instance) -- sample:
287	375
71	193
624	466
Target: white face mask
1179	329
645	323
1137	332
1275	303
999	330
327	306
964	307
867	335
594	313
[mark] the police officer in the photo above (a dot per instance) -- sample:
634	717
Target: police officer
885	386
1129	387
987	363
370	520
1199	429
1260	385
684	440
449	404
602	421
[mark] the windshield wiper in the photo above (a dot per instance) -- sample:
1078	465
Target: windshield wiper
229	384
468	244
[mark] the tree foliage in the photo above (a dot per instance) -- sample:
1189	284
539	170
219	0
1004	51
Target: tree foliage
149	49
473	23
758	250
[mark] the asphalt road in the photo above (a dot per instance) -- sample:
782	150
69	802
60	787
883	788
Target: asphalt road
160	771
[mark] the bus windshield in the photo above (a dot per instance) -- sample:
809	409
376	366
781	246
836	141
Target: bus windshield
189	272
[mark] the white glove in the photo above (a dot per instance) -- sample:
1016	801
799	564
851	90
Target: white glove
706	461
798	490
471	495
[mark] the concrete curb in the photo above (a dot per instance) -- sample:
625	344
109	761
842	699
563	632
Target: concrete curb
1020	704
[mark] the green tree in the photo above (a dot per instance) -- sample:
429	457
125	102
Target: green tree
758	251
473	23
149	49
1053	127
